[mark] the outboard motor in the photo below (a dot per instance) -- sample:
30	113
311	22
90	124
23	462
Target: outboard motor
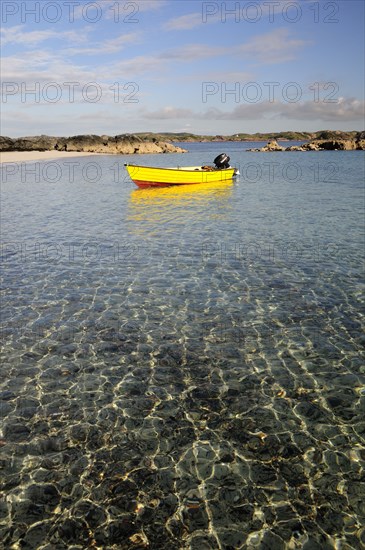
222	161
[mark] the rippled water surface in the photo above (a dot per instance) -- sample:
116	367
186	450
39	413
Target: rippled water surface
183	368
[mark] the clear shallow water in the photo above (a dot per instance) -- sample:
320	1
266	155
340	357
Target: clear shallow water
183	368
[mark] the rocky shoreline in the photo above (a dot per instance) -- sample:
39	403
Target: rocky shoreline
355	144
129	144
124	144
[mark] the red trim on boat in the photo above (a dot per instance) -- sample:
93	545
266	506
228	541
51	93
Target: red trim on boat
144	184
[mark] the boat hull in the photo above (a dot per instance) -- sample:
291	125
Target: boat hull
146	176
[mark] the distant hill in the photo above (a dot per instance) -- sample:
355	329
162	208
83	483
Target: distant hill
281	136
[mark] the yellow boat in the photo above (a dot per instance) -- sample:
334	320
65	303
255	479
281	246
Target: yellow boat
149	176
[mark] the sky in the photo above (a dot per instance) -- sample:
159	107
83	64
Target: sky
205	67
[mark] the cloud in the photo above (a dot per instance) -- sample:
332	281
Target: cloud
29	77
346	109
137	66
128	11
274	47
100	121
150	5
184	22
258	117
168	113
17	35
350	109
42	66
113	45
117	10
237	13
195	51
229	77
277	46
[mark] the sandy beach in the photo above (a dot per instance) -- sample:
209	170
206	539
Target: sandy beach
29	156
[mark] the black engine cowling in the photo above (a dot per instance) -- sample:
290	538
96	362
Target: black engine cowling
222	161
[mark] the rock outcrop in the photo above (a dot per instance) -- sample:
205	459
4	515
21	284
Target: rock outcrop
341	145
356	144
124	144
272	145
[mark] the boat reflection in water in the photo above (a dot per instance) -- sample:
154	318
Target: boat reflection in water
181	204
